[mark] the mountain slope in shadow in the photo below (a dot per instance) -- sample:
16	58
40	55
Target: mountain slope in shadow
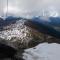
42	27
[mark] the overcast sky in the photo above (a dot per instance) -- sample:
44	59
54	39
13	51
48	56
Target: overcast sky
30	7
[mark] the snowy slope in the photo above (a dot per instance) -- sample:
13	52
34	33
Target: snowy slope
18	31
43	51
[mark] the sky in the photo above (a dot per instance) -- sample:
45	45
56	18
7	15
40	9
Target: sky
30	8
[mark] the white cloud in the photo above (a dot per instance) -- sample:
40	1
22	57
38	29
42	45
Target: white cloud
31	7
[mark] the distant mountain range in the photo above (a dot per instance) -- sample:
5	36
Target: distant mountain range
8	20
45	26
38	23
55	21
52	21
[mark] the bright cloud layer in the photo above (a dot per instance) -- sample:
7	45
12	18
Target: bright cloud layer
31	7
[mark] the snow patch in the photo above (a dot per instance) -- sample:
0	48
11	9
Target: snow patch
43	51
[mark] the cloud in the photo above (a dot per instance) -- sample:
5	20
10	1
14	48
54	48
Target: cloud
30	7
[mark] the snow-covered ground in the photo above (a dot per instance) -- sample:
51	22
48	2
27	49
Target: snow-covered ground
43	51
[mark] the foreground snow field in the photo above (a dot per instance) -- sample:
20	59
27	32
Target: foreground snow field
43	51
